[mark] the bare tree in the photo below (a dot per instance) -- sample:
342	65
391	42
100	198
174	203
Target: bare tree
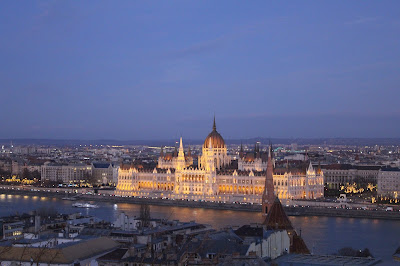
145	215
26	174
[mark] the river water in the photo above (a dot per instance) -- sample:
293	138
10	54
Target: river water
323	235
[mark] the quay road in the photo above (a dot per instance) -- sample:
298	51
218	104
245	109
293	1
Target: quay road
303	208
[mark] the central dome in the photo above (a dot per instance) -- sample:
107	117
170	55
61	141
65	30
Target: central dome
216	139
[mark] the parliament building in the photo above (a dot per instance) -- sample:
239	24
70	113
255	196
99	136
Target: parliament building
216	178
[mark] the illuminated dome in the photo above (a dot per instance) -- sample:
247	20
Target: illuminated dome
216	139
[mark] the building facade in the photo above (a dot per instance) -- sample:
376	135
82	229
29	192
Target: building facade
104	173
65	173
389	183
337	175
216	178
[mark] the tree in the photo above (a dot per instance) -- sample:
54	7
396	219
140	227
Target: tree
4	174
36	175
145	215
26	174
90	178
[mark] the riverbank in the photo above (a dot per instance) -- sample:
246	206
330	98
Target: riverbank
290	210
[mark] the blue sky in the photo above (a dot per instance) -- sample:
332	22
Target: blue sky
161	69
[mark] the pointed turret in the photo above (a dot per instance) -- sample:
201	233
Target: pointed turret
189	152
277	219
162	152
214	125
181	157
268	196
310	167
181	152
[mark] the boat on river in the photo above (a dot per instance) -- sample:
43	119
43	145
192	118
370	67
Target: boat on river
84	205
67	198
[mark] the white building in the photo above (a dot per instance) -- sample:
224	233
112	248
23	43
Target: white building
65	173
389	183
126	223
274	244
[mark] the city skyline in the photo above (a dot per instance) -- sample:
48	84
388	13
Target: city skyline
150	70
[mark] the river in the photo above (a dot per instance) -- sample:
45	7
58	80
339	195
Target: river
323	235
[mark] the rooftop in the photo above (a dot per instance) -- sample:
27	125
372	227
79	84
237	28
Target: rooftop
307	259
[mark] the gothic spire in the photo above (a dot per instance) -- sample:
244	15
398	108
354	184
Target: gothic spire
214	125
162	152
268	196
181	152
310	167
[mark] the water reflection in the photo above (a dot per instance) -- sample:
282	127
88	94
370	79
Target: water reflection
323	235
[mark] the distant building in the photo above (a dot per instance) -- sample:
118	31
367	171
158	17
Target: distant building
216	178
104	173
337	175
18	167
389	182
65	173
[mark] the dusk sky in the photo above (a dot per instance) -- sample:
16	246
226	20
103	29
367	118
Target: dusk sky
134	70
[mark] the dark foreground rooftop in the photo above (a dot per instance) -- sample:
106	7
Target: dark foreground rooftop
315	260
